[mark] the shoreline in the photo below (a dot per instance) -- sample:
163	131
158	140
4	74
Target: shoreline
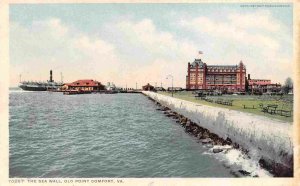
219	143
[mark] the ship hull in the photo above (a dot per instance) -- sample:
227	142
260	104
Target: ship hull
28	88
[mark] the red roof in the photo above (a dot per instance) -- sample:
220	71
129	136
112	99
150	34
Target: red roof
84	83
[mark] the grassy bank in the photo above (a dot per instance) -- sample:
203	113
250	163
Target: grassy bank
284	102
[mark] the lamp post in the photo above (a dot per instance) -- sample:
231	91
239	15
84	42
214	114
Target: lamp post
172	82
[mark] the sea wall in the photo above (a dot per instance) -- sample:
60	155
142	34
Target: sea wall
264	138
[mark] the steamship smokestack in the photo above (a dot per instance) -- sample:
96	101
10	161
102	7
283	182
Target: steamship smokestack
51	80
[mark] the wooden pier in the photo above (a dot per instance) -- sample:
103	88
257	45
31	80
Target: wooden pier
74	92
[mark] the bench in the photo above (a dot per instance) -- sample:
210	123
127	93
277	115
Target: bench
227	102
264	109
200	95
219	101
197	97
271	109
209	100
286	113
246	107
223	102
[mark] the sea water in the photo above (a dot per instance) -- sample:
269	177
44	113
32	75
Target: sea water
102	135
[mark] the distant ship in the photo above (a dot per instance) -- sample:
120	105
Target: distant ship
40	86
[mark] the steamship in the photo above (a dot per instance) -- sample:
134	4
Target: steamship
40	86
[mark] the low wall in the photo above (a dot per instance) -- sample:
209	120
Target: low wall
264	137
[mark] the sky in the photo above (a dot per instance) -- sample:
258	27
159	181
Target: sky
131	44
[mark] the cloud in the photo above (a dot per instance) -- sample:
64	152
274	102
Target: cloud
144	34
237	28
261	19
50	44
150	54
145	54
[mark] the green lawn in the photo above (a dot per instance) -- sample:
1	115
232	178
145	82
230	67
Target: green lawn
284	102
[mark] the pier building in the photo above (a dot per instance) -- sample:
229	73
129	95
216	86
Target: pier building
229	78
148	87
84	85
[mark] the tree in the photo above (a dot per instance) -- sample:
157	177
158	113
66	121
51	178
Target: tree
288	85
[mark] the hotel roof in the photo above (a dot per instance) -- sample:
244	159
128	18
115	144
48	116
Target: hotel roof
201	63
231	66
197	61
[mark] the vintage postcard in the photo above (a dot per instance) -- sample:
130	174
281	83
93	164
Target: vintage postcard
149	93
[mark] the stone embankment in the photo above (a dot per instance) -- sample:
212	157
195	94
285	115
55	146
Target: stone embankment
263	139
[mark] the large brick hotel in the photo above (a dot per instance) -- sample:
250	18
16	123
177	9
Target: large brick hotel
230	78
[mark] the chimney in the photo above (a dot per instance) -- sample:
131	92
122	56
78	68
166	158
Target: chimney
51	80
248	76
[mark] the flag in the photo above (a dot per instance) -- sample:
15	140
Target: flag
200	52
